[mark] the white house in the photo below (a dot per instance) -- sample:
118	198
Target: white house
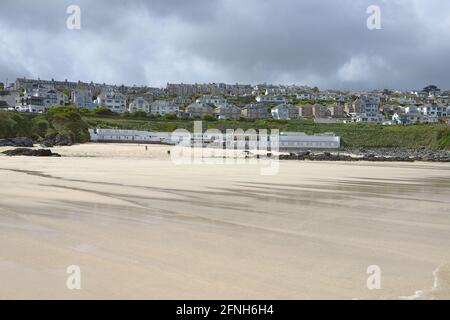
199	110
270	99
285	112
255	111
9	98
82	99
163	107
217	101
368	118
39	99
227	111
113	100
303	96
413	118
369	104
139	104
412	109
435	110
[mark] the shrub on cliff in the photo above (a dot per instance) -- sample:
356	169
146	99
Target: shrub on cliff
13	125
40	126
138	114
67	121
101	111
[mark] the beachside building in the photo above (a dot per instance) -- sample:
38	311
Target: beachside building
111	99
375	118
369	104
285	112
304	96
227	111
412	118
199	110
131	136
82	99
352	107
39	99
434	110
254	112
182	101
270	99
411	109
336	110
163	107
290	141
4	105
320	111
305	111
139	104
8	98
214	100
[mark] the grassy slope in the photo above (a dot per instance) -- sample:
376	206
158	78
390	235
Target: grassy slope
65	120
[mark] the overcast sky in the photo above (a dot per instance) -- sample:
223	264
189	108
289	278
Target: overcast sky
306	42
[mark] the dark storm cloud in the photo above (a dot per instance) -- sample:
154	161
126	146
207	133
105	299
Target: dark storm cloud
314	42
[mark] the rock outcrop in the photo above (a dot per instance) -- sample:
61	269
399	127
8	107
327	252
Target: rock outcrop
30	152
16	142
393	155
57	140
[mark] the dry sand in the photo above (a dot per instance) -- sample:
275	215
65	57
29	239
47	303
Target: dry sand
140	226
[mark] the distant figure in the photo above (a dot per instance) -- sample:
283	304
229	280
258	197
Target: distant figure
168	152
146	148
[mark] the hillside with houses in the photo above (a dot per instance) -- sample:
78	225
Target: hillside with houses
233	102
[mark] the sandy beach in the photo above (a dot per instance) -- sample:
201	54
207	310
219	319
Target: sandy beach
141	227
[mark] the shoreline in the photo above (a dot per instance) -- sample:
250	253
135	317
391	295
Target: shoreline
338	155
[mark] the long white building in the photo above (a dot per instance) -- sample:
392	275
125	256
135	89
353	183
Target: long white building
287	141
118	135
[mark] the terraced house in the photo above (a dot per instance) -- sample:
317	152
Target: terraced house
112	99
199	110
82	99
255	111
39	99
285	112
217	101
434	110
139	104
163	107
227	111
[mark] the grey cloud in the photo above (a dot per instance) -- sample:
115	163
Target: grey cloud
314	42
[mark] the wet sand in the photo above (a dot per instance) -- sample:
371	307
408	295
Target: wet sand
142	227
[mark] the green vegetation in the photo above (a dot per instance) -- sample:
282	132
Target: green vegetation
74	122
138	114
67	121
103	111
15	125
64	121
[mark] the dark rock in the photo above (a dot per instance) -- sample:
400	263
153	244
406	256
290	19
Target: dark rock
31	152
57	140
16	142
374	155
